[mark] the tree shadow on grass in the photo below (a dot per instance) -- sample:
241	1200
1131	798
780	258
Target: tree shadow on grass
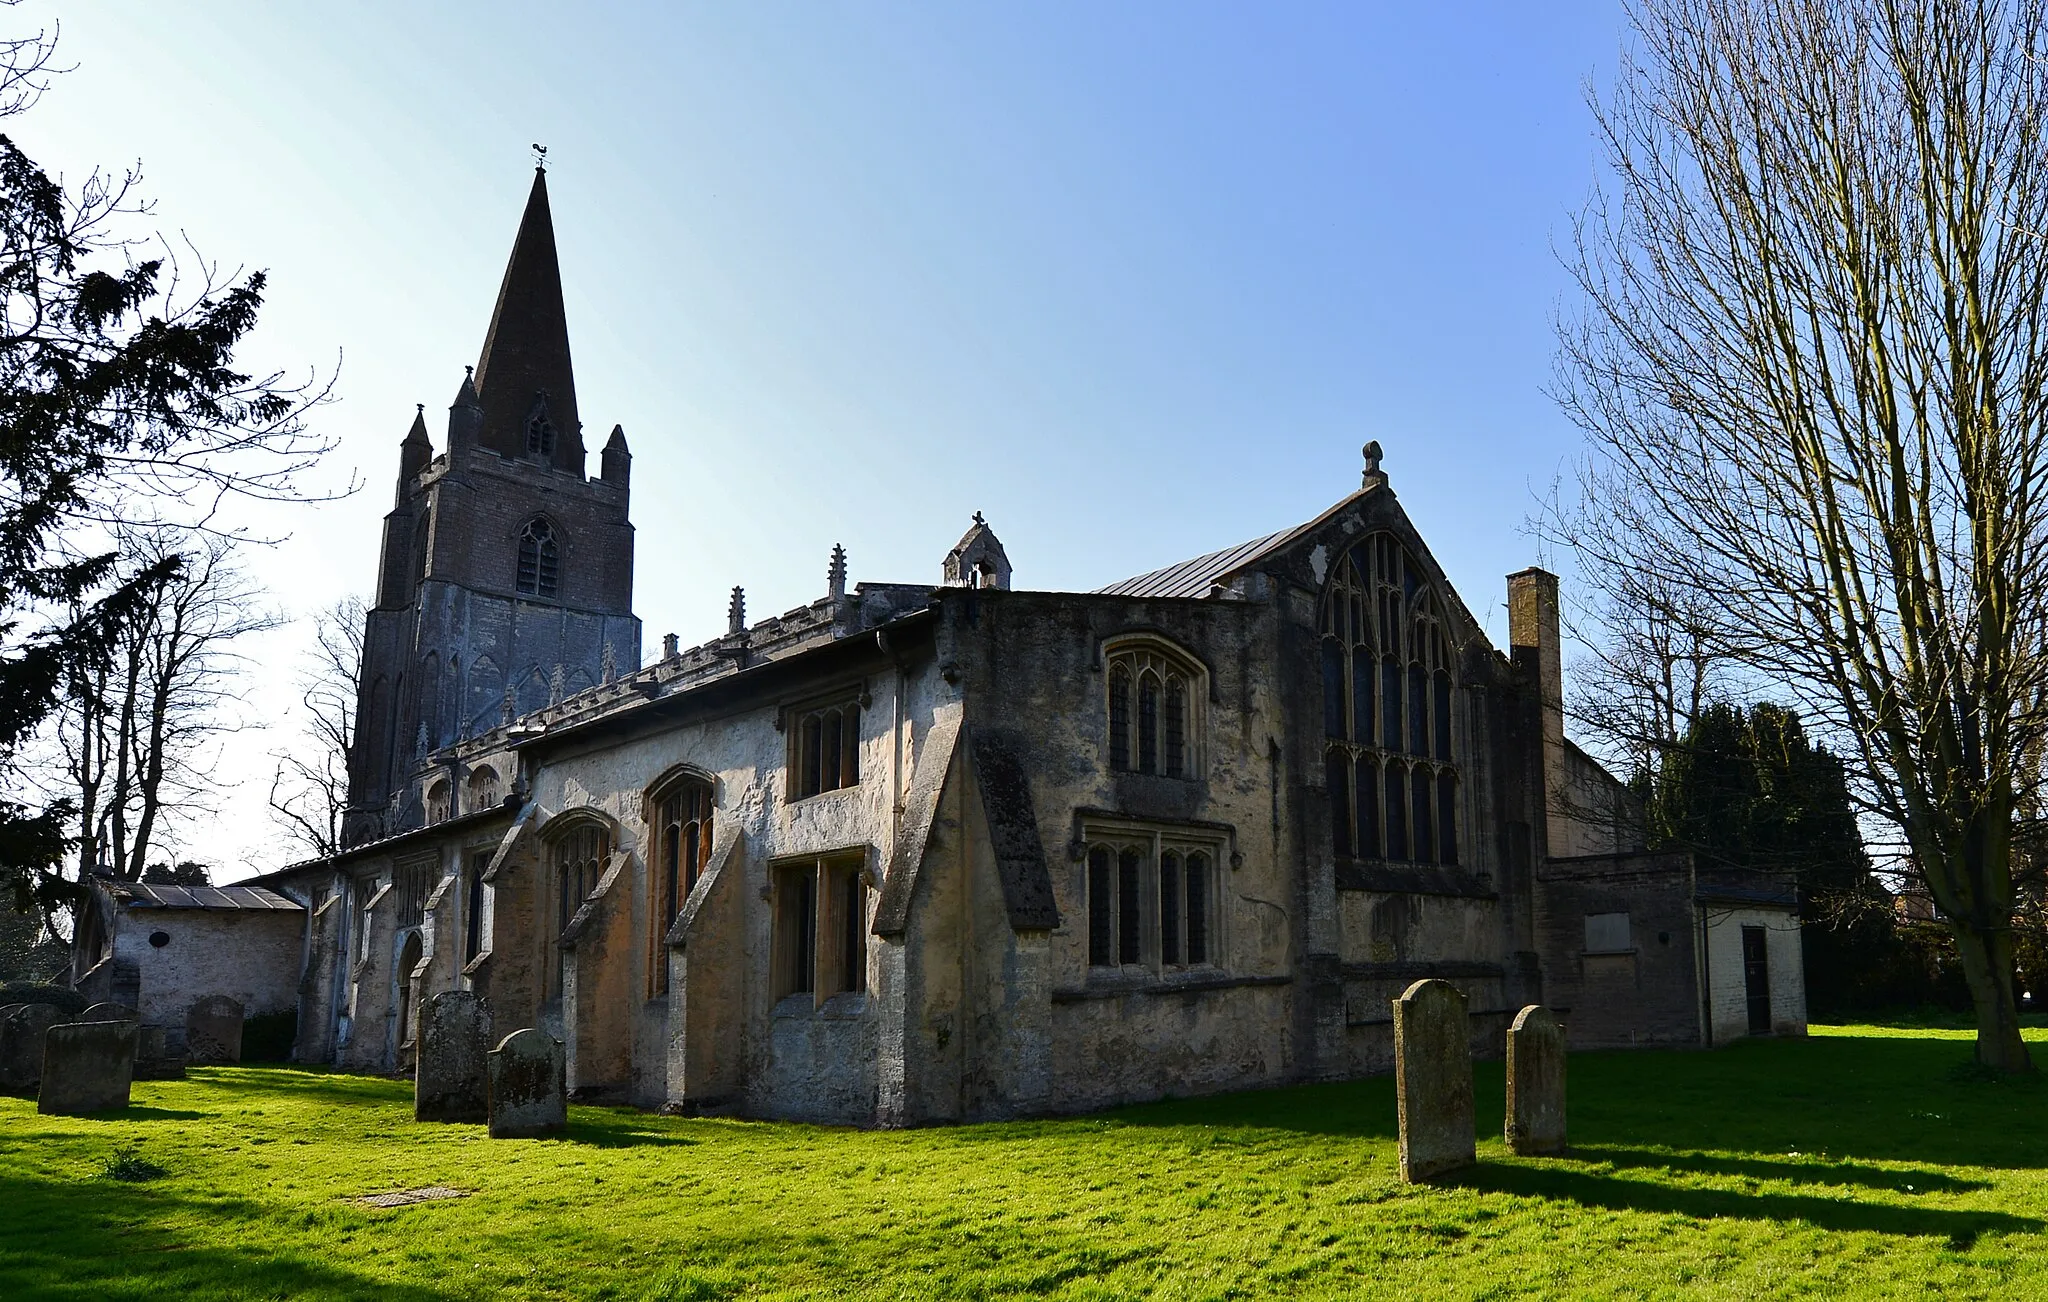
1904	1180
94	1239
1960	1228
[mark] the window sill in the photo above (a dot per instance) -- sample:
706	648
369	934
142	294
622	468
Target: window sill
1109	983
795	800
1609	953
803	1006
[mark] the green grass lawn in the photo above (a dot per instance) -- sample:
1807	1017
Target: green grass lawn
1858	1162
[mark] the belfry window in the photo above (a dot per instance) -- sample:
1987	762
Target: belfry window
539	560
1154	710
1388	710
540	431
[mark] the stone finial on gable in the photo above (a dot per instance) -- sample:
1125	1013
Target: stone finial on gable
608	663
670	646
1374	477
978	559
835	575
736	613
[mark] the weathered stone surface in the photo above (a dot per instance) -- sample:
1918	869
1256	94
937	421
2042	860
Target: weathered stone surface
213	1031
1535	1124
108	1012
87	1067
154	1057
1433	1077
21	1046
529	1086
452	1081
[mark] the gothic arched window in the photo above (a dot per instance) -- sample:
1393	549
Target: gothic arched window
682	846
1155	701
539	560
577	856
1387	709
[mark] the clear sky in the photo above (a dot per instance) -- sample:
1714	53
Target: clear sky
1136	280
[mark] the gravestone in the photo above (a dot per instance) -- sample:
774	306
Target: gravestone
154	1057
1535	1123
21	1046
1433	1079
452	1077
108	1012
529	1086
87	1067
213	1031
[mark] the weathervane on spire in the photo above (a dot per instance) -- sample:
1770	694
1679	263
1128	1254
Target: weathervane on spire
540	158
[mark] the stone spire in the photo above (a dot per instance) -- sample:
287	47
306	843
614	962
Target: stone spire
736	613
524	375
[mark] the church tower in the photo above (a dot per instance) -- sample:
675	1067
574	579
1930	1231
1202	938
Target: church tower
507	576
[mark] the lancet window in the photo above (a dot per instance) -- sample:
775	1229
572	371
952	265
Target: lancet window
682	846
1388	696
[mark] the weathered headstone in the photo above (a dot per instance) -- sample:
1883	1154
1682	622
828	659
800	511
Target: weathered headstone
529	1086
87	1067
108	1012
154	1057
451	1080
1535	1123
21	1046
1433	1079
213	1031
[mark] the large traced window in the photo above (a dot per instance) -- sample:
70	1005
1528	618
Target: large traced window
576	858
539	560
1155	708
819	943
682	847
824	745
1151	896
1387	709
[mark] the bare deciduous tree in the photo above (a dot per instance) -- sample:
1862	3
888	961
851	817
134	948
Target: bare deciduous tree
141	720
1813	369
309	790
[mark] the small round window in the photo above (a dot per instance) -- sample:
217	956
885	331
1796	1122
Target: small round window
159	939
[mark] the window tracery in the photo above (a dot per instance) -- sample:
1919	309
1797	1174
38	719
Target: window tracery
577	856
1389	760
682	844
539	559
1151	897
824	749
1154	710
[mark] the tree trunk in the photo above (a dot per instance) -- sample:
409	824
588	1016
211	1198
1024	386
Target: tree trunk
1987	965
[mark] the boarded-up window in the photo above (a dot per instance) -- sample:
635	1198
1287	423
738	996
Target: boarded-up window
1607	933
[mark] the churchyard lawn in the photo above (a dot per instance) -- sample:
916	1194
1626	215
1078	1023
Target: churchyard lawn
1860	1162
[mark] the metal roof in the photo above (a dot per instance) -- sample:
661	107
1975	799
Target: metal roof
1198	577
158	895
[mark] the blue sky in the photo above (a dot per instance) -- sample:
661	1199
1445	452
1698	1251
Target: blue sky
1135	280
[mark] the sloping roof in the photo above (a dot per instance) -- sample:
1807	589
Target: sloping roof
158	895
1195	578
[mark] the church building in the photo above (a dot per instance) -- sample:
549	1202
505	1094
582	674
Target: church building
955	848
